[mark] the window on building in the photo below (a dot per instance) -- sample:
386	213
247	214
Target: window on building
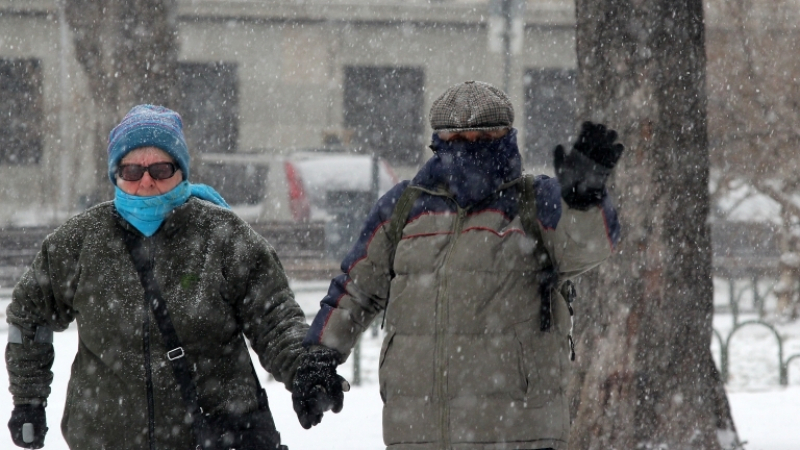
549	113
383	107
209	105
21	111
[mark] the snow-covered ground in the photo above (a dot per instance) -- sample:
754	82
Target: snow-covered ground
765	413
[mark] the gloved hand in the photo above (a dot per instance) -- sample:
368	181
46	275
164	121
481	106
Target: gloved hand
28	425
583	172
317	387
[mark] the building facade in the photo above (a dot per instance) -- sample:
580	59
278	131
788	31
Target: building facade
274	76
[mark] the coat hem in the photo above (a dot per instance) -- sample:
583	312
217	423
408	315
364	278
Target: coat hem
556	444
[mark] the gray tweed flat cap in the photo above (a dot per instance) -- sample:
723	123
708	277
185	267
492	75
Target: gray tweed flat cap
472	106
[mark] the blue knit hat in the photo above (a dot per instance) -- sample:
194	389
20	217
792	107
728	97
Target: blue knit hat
148	126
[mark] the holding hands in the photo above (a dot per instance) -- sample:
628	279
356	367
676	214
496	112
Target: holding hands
317	387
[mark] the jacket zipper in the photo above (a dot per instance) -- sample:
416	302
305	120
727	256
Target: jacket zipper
151	421
441	329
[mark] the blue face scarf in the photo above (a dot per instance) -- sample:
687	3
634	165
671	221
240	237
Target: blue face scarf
473	171
146	214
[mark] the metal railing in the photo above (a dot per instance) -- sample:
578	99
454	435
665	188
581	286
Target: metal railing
724	346
759	304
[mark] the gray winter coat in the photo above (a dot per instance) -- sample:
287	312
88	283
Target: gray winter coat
214	272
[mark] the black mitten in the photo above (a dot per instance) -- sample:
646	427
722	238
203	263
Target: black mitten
583	172
28	425
317	387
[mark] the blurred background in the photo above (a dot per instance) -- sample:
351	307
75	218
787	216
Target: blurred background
302	112
285	103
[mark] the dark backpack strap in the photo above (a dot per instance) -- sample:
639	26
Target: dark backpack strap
398	220
400	215
527	214
569	293
394	231
548	281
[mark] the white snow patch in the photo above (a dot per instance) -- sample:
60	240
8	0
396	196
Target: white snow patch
764	413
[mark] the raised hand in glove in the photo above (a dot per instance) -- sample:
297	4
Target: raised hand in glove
583	172
317	387
28	425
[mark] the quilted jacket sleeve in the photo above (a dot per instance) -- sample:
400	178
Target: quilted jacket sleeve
272	320
357	295
576	240
41	303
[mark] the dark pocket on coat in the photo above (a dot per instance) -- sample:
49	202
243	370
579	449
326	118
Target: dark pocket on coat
542	362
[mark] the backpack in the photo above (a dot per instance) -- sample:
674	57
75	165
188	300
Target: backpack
548	277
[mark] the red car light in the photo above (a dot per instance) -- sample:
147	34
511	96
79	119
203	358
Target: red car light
298	202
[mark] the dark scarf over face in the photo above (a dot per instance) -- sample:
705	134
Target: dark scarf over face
472	171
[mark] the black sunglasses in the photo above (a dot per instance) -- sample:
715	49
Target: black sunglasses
157	171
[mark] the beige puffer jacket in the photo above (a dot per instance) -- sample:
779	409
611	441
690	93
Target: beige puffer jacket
464	364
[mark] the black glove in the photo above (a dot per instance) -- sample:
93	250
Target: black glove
28	425
317	387
583	172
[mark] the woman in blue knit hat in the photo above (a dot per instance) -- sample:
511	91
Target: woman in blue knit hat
164	282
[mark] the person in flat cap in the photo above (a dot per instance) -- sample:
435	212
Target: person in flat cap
468	264
165	283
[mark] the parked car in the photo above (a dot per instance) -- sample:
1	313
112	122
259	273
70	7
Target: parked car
306	185
335	188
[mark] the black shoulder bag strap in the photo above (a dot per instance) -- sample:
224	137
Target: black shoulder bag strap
152	296
180	367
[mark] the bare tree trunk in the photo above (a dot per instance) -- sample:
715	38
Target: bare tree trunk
645	377
128	49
